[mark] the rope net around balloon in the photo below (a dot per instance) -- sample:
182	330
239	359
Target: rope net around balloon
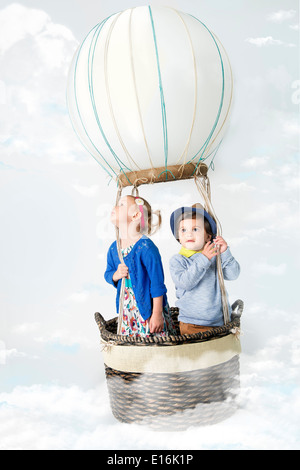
149	95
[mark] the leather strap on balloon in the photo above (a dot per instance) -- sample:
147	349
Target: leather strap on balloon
158	175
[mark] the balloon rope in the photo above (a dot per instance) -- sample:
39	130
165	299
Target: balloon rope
135	88
230	99
122	290
215	151
203	186
162	99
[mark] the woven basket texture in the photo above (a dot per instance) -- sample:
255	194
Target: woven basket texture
175	400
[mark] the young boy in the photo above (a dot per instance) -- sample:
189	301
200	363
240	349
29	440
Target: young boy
194	270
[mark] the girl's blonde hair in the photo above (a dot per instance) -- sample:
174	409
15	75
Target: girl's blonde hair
150	228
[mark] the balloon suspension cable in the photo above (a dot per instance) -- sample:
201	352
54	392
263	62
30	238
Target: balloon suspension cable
134	192
203	186
122	291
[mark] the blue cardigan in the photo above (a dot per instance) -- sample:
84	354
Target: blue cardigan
145	271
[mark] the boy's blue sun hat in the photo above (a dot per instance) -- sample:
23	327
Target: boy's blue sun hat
179	214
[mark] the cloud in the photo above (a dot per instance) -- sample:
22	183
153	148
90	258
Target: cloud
35	54
262	268
291	128
16	22
237	187
65	338
79	296
49	417
281	16
256	162
268	41
254	236
6	354
87	191
268	212
26	328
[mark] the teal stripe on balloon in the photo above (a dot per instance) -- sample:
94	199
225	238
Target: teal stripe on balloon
97	29
79	114
204	146
162	99
91	57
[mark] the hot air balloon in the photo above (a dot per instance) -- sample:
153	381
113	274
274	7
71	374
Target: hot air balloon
149	96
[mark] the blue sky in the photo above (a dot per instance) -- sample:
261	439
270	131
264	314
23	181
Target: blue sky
54	206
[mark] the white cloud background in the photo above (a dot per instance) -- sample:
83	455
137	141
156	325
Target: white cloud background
54	203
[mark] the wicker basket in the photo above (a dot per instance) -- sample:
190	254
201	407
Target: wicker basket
174	381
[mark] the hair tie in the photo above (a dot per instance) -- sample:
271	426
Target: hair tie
140	203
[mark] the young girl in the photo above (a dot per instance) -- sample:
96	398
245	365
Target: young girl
194	270
145	309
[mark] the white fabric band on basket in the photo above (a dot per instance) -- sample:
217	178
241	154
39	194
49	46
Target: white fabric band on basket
178	358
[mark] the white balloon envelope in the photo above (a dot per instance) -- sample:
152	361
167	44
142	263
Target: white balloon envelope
148	88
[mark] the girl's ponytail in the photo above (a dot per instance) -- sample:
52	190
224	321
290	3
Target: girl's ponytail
149	227
153	228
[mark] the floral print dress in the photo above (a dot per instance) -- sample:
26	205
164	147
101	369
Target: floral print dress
133	323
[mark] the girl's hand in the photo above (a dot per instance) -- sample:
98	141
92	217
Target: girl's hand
156	322
221	244
121	272
209	250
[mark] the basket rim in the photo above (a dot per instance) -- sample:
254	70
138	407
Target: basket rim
168	340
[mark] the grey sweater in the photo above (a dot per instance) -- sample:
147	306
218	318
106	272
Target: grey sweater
197	287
